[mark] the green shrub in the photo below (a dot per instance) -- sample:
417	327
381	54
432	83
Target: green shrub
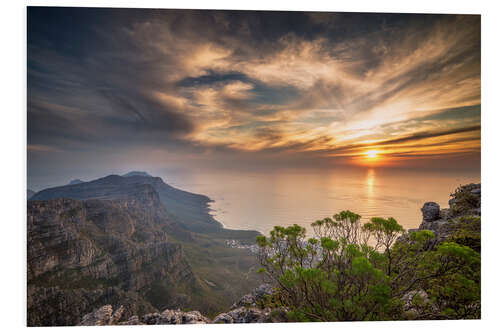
463	201
354	271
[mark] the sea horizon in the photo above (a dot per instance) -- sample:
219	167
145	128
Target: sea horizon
356	189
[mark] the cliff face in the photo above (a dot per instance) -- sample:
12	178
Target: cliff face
187	208
86	253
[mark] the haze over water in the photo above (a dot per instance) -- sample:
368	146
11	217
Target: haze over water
261	200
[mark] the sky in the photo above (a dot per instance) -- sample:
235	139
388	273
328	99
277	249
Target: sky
113	90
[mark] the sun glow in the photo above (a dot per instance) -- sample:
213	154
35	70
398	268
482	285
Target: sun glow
372	154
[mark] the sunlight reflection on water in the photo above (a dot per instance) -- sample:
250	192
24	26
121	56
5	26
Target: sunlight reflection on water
259	201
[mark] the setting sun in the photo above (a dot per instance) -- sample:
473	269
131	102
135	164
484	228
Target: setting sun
372	153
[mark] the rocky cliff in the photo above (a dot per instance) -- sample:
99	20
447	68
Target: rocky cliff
189	209
85	252
133	241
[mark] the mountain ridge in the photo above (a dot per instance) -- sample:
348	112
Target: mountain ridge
134	214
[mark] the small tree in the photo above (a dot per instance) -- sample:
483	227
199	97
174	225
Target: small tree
355	271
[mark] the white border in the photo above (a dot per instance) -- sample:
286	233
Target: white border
13	192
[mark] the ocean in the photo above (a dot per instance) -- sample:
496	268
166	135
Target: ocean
261	200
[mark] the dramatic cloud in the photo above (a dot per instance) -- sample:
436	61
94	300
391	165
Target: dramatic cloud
184	87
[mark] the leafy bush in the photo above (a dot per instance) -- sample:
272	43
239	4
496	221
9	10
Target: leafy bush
354	271
466	230
463	201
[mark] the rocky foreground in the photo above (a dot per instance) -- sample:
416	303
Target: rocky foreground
447	223
248	309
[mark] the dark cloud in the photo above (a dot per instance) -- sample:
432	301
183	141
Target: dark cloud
414	137
428	134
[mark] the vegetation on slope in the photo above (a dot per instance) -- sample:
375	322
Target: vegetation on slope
354	271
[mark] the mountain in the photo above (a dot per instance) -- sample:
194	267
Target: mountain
82	252
133	241
75	181
137	173
188	209
30	193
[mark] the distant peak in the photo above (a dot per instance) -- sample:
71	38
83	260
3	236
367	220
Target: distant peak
137	173
75	181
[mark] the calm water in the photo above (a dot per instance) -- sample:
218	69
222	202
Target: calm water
259	201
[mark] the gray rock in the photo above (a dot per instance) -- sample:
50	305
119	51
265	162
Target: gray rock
246	300
250	315
254	297
262	291
105	316
171	317
176	317
134	320
99	317
430	211
410	296
194	317
151	318
414	309
116	316
223	318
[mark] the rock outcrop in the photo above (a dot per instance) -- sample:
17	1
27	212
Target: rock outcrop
246	310
430	211
252	299
106	316
466	202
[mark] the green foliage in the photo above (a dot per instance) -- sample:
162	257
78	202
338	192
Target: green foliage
350	271
467	231
463	201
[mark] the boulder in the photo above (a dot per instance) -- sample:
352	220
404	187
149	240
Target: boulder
134	320
430	212
223	318
250	315
151	318
194	317
262	291
99	317
254	297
